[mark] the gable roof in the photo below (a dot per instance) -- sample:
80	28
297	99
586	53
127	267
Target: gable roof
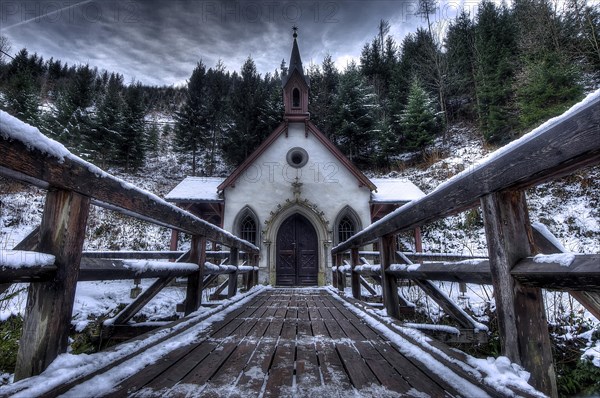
310	126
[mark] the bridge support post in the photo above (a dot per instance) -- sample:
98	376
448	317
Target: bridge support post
193	297
389	285
355	278
50	304
334	265
234	260
522	320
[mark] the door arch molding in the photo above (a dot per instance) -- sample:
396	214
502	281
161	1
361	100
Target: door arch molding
319	223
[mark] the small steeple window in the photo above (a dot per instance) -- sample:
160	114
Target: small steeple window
296	98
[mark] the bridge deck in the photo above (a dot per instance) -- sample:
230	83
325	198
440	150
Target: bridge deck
289	342
286	340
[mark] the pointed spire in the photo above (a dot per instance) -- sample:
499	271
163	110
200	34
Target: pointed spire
295	60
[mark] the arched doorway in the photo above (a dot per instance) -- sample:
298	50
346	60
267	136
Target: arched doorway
297	258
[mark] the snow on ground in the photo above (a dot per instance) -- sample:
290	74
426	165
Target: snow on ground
498	373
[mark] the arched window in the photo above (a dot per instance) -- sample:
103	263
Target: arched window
346	229
296	98
248	229
246	226
347	223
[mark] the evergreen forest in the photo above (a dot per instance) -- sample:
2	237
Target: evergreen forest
504	70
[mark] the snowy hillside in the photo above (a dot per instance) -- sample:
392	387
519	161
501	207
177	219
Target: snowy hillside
569	207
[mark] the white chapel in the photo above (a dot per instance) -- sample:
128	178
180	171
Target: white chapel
295	196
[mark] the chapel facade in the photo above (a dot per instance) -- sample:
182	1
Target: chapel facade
295	196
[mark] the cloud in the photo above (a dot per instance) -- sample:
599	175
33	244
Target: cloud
159	43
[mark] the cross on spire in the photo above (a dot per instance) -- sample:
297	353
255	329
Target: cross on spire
295	29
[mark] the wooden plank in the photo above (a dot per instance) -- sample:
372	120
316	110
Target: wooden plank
72	174
281	372
47	319
560	149
193	297
330	363
134	255
35	274
478	273
358	371
308	374
30	242
521	314
583	274
590	300
154	374
258	365
388	282
97	269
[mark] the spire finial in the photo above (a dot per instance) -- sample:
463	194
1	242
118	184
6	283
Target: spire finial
295	29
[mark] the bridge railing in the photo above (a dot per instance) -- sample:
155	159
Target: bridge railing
557	148
72	186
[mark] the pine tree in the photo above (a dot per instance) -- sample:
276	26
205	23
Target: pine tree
247	99
547	84
22	93
191	129
74	122
131	149
460	48
323	92
496	50
104	143
217	111
419	121
355	126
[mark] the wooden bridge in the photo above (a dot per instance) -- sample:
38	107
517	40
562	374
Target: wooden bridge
274	342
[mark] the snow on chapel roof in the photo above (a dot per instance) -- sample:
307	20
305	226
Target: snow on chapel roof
395	190
196	189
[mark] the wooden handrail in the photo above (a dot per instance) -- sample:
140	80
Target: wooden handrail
31	165
556	149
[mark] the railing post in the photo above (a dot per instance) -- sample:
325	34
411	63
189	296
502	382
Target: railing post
334	264
341	276
255	272
234	260
389	284
173	244
49	308
193	297
522	320
355	278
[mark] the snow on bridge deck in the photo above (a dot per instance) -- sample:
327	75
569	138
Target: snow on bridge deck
278	343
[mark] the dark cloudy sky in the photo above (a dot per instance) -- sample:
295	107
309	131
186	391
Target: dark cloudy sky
159	42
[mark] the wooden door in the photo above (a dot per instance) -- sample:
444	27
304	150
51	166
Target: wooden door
297	257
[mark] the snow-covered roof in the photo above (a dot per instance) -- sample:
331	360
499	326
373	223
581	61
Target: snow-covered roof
196	189
395	190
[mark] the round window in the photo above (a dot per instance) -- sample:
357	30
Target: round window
297	157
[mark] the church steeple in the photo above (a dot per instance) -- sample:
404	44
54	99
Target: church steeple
295	86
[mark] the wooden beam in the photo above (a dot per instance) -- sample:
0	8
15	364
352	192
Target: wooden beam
389	284
366	285
49	308
30	242
521	314
193	297
134	255
590	300
97	269
233	278
560	149
133	308
441	299
72	174
355	277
